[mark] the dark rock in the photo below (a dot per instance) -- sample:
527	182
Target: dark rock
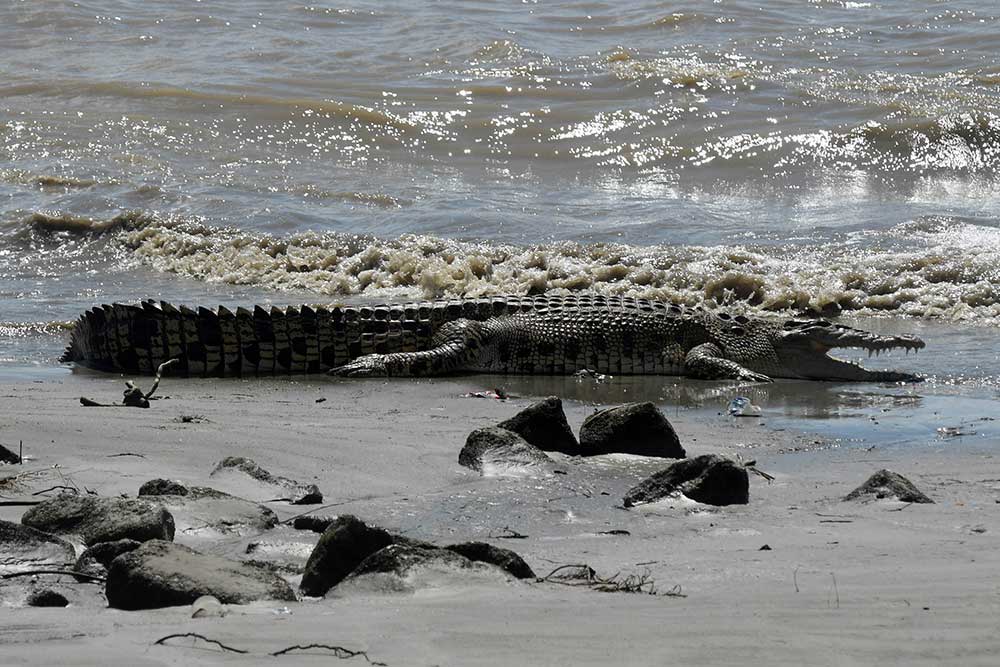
544	425
96	559
633	428
887	484
495	450
23	548
96	519
316	524
163	574
7	456
708	479
399	559
342	547
401	568
46	597
162	487
502	558
297	494
207	513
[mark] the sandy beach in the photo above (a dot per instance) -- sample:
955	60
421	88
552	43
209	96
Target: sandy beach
778	167
841	583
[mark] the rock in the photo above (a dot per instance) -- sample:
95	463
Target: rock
23	548
342	547
46	597
887	484
7	456
205	513
96	559
164	574
162	487
284	550
316	524
633	428
297	494
709	479
405	568
96	519
544	425
487	553
401	558
497	451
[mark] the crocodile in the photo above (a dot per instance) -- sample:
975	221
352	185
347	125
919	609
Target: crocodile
543	334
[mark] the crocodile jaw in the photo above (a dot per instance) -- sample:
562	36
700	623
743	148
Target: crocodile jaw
804	350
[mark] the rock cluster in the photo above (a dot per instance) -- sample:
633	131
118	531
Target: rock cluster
518	445
129	547
350	549
128	543
515	446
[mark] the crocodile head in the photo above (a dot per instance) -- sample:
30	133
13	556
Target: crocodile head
802	348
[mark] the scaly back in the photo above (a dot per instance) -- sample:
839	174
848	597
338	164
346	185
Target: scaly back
221	343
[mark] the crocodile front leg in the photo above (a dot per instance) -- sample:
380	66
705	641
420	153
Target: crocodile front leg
705	362
454	348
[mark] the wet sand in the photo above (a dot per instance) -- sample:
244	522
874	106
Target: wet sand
842	582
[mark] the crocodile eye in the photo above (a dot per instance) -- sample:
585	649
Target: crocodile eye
724	316
741	319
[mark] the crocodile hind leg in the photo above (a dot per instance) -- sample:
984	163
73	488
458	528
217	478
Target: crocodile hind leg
705	362
454	348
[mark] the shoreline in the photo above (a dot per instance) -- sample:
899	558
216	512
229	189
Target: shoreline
842	581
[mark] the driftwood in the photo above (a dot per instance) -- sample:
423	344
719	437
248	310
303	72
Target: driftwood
752	467
61	487
584	575
134	396
338	651
507	533
195	635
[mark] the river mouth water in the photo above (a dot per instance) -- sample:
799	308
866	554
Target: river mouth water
833	158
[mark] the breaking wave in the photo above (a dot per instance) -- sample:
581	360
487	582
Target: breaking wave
934	267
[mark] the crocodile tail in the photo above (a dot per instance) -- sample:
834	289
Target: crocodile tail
95	341
137	338
71	353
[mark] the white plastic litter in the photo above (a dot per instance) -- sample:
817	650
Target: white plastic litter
742	407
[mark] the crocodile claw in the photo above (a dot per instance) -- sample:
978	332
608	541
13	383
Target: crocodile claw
751	376
368	366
